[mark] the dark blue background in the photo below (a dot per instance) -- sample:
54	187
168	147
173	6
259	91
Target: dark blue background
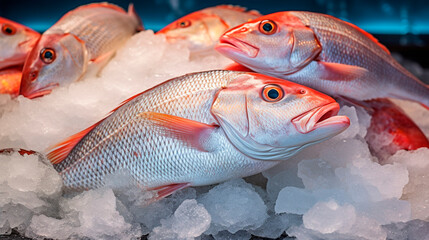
403	26
376	16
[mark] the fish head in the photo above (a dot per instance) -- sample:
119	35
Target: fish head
16	41
57	59
199	30
270	118
276	43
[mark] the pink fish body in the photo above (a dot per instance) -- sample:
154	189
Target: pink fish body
16	41
10	80
202	29
324	53
80	43
199	129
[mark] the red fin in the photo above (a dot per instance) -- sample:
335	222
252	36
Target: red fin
124	102
427	107
132	12
164	191
59	152
237	67
191	132
340	72
368	35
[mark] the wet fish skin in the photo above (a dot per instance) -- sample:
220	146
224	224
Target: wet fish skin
324	53
198	129
16	40
79	44
201	29
10	80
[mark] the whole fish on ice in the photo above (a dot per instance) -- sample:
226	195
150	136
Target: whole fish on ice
16	41
202	29
80	43
324	53
199	129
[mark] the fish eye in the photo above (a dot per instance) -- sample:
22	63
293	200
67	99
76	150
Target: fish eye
8	29
184	24
47	55
267	27
272	93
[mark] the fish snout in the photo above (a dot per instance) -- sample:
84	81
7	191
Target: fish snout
322	117
228	43
28	82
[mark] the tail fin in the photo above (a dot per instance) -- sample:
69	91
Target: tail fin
132	12
60	151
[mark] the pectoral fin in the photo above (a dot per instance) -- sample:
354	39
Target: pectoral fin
164	191
191	132
340	72
97	64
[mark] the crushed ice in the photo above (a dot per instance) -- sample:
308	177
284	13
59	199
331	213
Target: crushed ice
334	190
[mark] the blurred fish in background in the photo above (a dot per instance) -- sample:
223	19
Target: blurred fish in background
80	43
201	29
16	41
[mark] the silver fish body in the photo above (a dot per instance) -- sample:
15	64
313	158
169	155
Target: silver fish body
219	138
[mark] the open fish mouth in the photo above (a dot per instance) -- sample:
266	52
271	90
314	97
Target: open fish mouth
231	43
320	117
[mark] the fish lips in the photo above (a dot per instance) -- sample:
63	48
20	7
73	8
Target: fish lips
39	92
231	44
322	120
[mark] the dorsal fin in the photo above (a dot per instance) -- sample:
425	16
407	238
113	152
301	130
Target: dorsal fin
60	151
124	102
132	12
368	35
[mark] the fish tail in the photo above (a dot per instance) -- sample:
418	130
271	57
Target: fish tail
132	12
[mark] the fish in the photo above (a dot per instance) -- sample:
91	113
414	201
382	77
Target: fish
201	29
198	129
16	41
324	53
79	44
10	80
392	127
